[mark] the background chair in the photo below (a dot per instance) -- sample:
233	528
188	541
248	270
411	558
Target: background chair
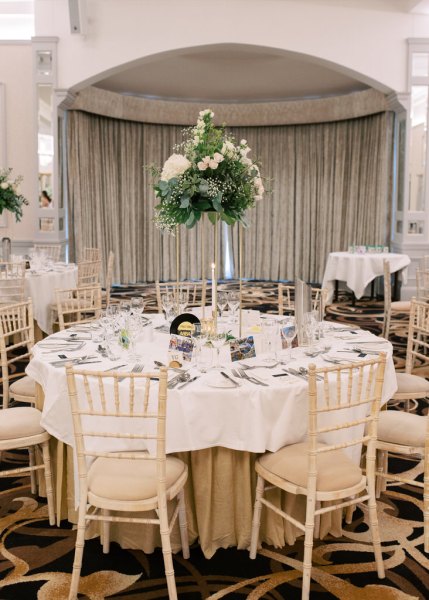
91	254
286	299
125	480
391	309
78	305
410	385
52	251
320	469
408	434
422	284
195	292
12	282
20	428
16	333
88	273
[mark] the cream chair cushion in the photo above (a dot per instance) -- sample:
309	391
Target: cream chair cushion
401	305
26	386
412	384
335	470
130	479
18	423
403	428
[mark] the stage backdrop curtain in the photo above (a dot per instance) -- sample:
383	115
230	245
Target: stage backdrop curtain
330	188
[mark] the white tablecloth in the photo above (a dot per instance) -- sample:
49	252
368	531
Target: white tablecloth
41	289
358	270
251	417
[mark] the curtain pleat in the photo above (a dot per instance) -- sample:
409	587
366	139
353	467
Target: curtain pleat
330	188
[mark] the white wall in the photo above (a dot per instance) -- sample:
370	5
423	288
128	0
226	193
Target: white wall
16	73
369	42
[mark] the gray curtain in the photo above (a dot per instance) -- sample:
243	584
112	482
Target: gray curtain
330	188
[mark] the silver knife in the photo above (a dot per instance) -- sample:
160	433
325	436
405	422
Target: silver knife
236	384
186	382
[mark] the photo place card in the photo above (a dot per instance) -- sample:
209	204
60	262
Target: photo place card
242	348
182	344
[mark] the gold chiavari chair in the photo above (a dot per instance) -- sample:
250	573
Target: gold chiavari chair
195	292
391	309
124	477
286	299
88	273
91	255
78	305
52	251
342	414
12	282
422	284
16	333
21	428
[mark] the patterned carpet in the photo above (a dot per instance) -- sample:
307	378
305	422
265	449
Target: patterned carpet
36	559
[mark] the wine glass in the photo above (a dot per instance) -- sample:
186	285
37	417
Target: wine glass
182	301
137	306
288	334
222	302
270	328
217	340
167	301
233	303
132	327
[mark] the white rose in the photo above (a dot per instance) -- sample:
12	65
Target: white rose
202	165
4	185
243	143
228	149
218	157
196	140
245	161
213	164
244	151
174	166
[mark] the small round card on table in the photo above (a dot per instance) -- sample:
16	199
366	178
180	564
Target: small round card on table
184	325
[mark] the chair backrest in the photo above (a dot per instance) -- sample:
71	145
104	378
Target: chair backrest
12	282
387	299
109	276
195	291
343	410
286	299
91	254
100	407
88	273
78	305
52	251
418	335
16	332
424	263
422	284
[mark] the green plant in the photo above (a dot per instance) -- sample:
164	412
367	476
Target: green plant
10	198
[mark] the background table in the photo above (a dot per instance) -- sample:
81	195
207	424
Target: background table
218	433
41	288
358	270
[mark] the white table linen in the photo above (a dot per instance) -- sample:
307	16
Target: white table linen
358	270
247	418
40	287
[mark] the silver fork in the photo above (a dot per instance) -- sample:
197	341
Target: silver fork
251	379
138	368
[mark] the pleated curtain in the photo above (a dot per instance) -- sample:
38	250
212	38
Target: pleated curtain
330	186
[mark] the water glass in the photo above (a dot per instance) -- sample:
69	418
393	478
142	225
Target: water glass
288	334
270	331
233	303
222	302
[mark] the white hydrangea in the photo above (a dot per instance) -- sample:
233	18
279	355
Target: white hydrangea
205	112
174	166
228	149
4	185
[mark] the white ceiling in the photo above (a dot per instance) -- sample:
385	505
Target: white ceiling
231	73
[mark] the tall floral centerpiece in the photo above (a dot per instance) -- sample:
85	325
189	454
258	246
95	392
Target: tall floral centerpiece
208	173
10	198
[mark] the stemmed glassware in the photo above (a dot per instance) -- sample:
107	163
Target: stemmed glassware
167	301
233	303
217	340
270	329
137	306
182	301
222	302
288	334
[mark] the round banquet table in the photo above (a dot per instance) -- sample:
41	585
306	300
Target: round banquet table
358	270
217	431
41	286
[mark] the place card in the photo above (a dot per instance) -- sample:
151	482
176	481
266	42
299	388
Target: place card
181	344
242	348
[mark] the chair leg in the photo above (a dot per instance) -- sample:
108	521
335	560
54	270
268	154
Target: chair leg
106	532
349	513
166	549
183	525
426	503
78	553
256	522
32	460
48	482
308	548
373	519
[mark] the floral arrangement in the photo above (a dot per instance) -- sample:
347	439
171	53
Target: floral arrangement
208	173
10	199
